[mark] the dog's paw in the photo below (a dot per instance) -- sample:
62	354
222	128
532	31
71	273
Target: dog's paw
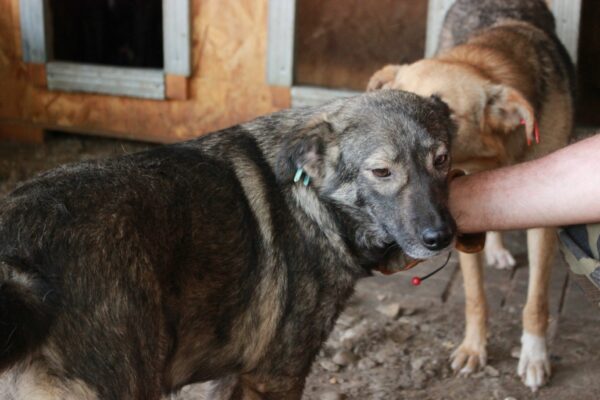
499	257
534	363
467	359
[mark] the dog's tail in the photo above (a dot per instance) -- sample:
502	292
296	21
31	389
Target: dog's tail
27	308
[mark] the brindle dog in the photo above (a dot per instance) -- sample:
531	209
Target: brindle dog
131	277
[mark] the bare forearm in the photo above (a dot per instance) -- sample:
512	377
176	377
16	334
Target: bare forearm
560	189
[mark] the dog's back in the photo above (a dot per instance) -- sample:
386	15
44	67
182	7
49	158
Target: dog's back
468	17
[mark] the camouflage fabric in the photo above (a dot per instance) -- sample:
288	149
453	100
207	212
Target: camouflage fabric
580	244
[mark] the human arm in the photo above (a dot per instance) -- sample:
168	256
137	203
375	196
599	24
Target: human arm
562	188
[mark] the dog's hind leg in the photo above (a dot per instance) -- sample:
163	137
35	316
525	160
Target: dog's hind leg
472	354
534	362
496	255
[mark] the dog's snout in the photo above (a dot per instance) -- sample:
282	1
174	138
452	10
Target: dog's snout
437	238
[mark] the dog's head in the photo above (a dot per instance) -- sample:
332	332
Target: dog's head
381	159
485	113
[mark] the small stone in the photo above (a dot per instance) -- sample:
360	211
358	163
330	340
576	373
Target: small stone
328	365
491	371
331	395
409	311
333	380
354	332
403	381
478	375
515	352
343	358
391	310
418	363
510	398
381	297
346	320
366	363
419	379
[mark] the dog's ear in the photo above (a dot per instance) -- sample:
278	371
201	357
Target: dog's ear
306	149
442	107
507	109
384	78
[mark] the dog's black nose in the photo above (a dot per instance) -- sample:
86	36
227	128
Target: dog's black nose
436	238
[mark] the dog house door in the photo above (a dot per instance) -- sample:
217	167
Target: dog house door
137	48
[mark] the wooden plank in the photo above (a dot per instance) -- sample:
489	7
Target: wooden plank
313	96
280	50
176	37
37	75
435	18
33	30
21	133
567	14
176	87
340	44
135	82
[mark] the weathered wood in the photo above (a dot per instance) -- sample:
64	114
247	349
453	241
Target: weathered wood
16	132
37	74
567	14
435	18
176	87
280	52
340	44
312	96
176	37
33	30
227	85
136	82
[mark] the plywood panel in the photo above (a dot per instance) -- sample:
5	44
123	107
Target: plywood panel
339	44
227	83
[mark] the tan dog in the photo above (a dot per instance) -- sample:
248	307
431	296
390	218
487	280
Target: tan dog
503	72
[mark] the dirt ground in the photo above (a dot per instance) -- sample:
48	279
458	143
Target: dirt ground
393	340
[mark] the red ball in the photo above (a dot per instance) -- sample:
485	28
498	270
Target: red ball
416	281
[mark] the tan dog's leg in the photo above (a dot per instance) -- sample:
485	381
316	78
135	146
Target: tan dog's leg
496	255
534	363
472	354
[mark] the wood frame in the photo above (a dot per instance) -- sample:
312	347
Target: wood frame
121	81
436	12
280	57
280	51
566	13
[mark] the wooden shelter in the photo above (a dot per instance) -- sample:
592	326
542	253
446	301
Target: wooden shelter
223	62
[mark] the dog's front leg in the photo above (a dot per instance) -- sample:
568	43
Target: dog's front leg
472	354
253	387
534	362
496	255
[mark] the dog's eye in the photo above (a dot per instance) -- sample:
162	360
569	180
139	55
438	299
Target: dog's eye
381	172
440	160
